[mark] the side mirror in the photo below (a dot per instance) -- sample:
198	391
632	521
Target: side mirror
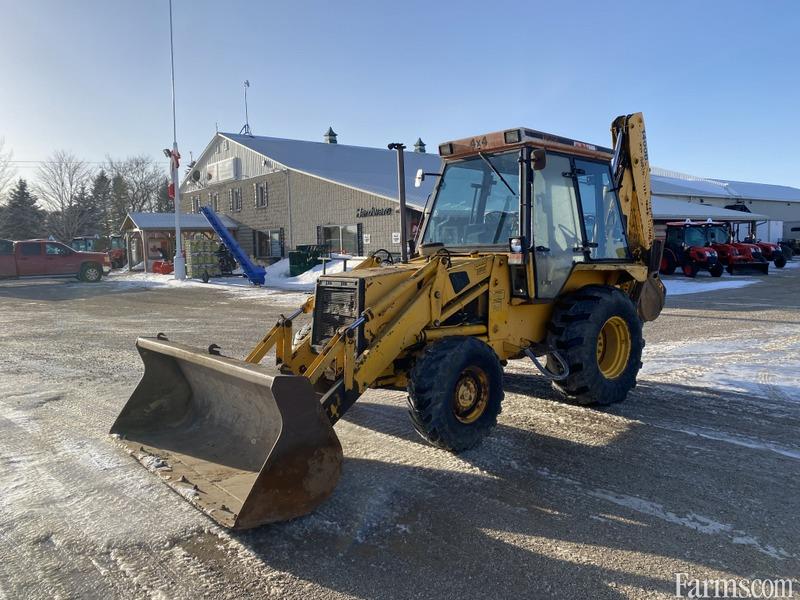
419	178
539	159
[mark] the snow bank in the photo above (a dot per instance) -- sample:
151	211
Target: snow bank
239	286
276	279
680	285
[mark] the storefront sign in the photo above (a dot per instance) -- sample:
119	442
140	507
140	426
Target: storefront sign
362	213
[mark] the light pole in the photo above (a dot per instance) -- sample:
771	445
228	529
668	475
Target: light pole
179	265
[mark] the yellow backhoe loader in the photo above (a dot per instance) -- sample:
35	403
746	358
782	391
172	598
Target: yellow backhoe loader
533	245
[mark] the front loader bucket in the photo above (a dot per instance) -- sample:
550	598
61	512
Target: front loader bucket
748	268
244	447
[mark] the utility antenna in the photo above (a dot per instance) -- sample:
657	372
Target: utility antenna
246	129
179	264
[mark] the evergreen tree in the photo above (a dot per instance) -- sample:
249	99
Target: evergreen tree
119	202
20	218
101	200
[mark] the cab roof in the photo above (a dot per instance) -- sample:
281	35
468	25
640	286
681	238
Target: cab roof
510	139
690	223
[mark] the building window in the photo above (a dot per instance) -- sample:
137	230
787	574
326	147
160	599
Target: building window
268	244
261	195
235	199
195	204
342	239
213	200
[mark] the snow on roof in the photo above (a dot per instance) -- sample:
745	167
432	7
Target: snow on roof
669	208
681	184
372	170
154	220
764	191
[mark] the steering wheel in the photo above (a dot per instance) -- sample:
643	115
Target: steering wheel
388	254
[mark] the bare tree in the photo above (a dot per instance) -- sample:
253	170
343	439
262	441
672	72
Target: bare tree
142	176
7	171
61	182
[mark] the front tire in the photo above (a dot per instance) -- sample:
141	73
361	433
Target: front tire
91	273
597	332
780	261
689	269
454	393
716	270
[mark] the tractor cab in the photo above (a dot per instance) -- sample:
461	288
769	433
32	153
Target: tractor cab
549	202
690	246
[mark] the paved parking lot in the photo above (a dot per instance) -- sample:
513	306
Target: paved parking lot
698	472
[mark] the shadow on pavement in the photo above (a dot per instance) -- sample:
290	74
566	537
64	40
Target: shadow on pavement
533	515
56	290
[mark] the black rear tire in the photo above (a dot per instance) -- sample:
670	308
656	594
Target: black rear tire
716	270
445	369
668	262
91	273
578	323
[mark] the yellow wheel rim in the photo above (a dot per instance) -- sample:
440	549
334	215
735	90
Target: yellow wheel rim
471	395
613	347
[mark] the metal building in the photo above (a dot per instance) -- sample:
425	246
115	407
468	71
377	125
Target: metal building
285	193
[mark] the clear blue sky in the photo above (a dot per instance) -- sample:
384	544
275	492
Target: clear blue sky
718	82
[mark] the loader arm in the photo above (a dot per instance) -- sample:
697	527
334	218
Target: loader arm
406	317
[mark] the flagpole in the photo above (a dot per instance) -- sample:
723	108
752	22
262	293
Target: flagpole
179	265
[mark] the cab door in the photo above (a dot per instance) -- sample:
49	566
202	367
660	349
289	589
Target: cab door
556	228
60	260
30	260
8	266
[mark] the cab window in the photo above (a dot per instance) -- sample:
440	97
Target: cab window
56	249
602	219
31	249
556	225
674	237
6	247
474	207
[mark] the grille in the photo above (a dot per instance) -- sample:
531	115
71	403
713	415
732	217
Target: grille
337	305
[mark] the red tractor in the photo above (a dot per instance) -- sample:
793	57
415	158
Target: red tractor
113	245
771	251
709	245
737	256
687	246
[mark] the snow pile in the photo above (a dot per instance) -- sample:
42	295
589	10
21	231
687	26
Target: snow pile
277	275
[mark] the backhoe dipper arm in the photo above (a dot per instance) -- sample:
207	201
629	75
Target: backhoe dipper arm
631	168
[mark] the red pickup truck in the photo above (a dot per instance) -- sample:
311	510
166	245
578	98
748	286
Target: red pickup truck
43	258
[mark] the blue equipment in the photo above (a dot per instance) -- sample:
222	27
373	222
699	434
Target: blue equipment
254	273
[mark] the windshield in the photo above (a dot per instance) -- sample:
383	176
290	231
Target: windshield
717	234
694	236
473	206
